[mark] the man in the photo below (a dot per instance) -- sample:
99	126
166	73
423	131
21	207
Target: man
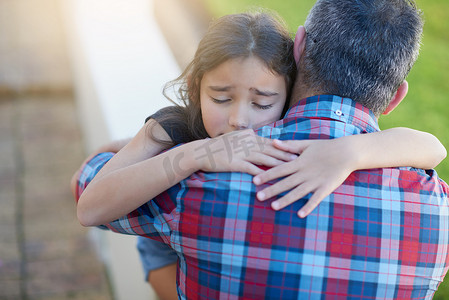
382	234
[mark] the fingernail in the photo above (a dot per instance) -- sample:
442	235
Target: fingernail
293	157
256	180
261	195
275	205
301	214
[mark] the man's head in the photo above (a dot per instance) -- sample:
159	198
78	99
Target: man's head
360	49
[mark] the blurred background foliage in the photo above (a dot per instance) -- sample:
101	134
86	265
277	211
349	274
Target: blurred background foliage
425	107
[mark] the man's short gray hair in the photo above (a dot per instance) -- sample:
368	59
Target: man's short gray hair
361	49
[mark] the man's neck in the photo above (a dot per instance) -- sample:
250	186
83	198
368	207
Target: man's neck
300	91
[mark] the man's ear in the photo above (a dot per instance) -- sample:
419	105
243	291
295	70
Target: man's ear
397	98
300	43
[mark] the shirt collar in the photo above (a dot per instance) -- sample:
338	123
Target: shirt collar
337	108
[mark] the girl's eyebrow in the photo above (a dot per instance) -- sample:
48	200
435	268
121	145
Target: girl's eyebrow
220	88
264	93
254	90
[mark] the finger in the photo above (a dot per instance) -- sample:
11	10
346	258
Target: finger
247	167
264	160
263	140
313	202
294	195
262	145
250	136
278	153
291	146
277	157
280	187
276	172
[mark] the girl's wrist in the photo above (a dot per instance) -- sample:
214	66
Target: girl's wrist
190	159
353	153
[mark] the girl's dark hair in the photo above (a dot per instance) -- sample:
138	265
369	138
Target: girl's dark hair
260	34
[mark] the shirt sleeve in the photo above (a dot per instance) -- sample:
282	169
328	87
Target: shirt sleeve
89	170
148	220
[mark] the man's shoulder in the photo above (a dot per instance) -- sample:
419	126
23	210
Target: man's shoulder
400	183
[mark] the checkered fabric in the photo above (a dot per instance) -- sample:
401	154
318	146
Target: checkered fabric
383	234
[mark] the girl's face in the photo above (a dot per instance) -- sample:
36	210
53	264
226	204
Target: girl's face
241	93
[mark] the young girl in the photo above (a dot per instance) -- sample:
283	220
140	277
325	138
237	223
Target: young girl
239	80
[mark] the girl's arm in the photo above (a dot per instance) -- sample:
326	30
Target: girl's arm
136	174
323	165
114	146
100	201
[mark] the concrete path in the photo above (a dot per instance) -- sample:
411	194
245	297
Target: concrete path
44	252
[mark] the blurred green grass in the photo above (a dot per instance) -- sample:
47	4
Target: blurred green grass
425	107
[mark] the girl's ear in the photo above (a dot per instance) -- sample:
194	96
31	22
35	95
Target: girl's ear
300	43
397	98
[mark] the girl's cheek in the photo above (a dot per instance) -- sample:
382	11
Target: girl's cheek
212	123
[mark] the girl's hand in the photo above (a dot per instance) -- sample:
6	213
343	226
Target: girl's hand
321	167
239	151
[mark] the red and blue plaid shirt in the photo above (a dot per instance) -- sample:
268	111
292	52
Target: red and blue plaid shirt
383	234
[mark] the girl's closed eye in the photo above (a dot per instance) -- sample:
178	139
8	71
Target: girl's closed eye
261	106
219	101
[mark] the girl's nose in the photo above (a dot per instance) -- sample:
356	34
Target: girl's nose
239	118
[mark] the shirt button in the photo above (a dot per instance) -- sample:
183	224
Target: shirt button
338	112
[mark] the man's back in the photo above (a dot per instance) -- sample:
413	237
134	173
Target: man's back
382	234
